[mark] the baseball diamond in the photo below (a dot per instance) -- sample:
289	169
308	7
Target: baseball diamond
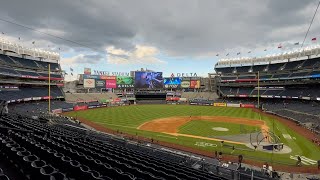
163	122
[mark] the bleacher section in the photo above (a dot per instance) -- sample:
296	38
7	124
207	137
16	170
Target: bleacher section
27	63
202	95
29	92
75	97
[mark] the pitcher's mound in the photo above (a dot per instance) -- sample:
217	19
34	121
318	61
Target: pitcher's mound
220	129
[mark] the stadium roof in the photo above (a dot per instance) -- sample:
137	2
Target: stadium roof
6	45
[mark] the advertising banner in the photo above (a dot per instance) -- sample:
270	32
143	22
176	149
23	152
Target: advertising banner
88	76
87	71
150	80
78	108
171	86
47	97
194	84
233	105
247	105
306	98
111	83
220	104
89	83
183	99
100	83
172	83
185	84
174	80
36	98
108	77
172	98
243	95
125	82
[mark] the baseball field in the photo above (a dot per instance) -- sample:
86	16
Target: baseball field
229	130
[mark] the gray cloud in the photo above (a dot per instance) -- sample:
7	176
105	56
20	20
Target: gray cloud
176	27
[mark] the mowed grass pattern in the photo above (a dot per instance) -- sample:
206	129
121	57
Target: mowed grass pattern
128	118
205	128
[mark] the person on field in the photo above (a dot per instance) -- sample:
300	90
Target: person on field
318	164
299	161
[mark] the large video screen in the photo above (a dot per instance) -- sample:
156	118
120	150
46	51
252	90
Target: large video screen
125	82
172	81
150	80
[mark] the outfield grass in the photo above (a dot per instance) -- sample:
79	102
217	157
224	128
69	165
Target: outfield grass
128	118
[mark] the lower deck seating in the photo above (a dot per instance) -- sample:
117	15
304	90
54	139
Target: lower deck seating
38	149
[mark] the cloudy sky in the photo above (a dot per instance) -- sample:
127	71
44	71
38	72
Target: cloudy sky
168	35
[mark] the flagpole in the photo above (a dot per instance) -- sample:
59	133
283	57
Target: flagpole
49	105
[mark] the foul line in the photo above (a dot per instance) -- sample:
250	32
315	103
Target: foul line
206	138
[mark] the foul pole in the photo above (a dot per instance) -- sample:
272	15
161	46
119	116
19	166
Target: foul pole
49	89
258	89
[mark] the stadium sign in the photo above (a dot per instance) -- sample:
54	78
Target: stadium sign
171	86
184	75
108	73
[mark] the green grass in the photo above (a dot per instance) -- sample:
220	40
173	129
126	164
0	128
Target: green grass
128	118
204	128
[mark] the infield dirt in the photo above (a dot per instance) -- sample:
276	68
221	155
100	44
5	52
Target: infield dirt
171	125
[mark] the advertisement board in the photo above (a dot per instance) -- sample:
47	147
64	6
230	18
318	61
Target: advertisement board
87	71
172	98
150	80
125	82
89	83
78	108
194	84
247	105
171	86
220	104
100	83
172	81
185	84
233	105
111	83
107	77
88	76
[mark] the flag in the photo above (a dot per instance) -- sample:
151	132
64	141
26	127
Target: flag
297	43
2	32
217	54
314	39
33	42
238	53
71	69
59	49
19	38
279	46
265	49
71	74
227	54
249	51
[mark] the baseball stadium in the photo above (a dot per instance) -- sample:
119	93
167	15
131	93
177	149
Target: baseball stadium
64	116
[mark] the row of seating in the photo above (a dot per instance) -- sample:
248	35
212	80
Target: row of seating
72	152
29	92
286	66
13	72
27	63
288	91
